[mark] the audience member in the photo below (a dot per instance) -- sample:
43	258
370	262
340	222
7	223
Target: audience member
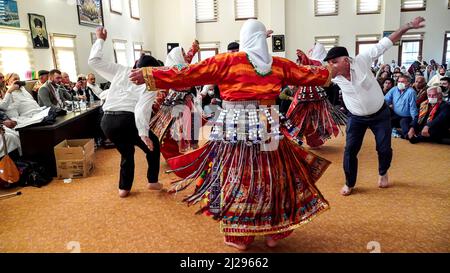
43	78
402	100
420	86
445	86
3	88
388	85
437	78
66	82
51	94
81	89
434	119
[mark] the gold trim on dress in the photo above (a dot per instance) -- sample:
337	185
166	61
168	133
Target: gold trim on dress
147	72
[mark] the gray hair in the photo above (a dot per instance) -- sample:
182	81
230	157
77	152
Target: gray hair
438	89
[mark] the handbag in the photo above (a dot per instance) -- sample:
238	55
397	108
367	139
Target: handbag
8	169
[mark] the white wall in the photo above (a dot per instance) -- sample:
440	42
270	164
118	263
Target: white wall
62	17
302	26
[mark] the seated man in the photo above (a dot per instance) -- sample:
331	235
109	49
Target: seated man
420	86
402	100
43	78
19	104
434	119
91	83
445	85
81	89
3	88
66	83
51	94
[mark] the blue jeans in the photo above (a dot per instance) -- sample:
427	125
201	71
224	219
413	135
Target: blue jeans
380	124
404	122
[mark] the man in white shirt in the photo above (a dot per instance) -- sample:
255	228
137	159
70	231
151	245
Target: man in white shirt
364	99
91	83
119	123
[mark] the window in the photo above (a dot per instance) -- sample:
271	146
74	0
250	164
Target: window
414	5
411	47
245	9
207	50
120	52
368	6
64	54
328	41
116	6
206	11
138	49
326	7
446	58
135	11
15	52
364	42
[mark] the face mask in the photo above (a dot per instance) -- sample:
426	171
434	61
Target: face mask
432	100
442	74
211	93
401	86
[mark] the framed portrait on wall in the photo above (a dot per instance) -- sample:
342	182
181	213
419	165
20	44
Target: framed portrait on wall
278	43
9	14
90	13
115	6
38	28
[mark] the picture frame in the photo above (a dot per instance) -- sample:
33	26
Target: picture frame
115	6
278	43
90	13
135	12
93	37
171	46
38	29
11	18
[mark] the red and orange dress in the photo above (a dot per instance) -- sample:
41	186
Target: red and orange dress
313	118
249	175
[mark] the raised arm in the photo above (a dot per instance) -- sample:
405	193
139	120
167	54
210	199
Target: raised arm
210	71
417	23
96	60
305	75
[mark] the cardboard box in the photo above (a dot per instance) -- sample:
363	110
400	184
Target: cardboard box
74	158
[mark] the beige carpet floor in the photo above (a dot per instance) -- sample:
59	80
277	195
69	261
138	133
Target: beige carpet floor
87	215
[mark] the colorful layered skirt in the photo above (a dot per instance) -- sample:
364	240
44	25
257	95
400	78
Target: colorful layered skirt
250	176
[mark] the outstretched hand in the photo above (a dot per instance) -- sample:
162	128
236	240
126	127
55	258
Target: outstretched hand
101	33
418	22
148	142
137	77
269	33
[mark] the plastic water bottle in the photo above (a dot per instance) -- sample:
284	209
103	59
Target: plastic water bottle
82	105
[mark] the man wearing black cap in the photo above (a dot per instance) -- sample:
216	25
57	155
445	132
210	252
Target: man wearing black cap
233	47
127	113
39	41
364	99
43	78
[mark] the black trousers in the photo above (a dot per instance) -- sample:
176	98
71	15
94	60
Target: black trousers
380	125
121	129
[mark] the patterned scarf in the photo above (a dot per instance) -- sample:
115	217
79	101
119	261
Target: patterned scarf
425	109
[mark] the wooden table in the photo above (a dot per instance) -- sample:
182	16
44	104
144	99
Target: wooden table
38	142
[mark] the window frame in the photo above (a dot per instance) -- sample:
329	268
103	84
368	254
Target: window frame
359	41
140	51
335	37
245	18
115	50
446	45
55	49
400	48
316	14
118	12
402	9
216	13
358	5
131	10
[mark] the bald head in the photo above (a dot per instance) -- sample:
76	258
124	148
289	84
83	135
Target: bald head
420	82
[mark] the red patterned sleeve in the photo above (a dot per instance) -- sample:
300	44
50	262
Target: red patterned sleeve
306	75
209	71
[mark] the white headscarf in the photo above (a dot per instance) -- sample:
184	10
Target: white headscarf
318	52
254	43
175	57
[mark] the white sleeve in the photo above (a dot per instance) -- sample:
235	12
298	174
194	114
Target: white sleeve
143	112
6	101
96	61
376	51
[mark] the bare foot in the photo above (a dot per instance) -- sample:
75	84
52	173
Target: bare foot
124	193
383	182
239	247
346	190
155	186
270	242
